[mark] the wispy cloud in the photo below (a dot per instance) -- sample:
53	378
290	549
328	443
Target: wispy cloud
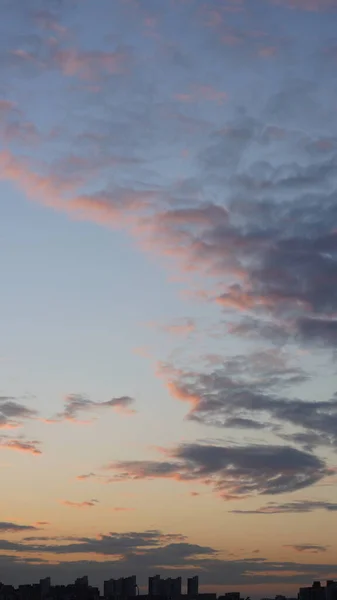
202	93
86	476
180	327
92	65
20	445
16	527
311	548
13	413
77	403
298	506
244	390
84	504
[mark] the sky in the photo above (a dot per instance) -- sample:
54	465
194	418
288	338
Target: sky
168	330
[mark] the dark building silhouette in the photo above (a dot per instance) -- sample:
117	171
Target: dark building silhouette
319	592
154	585
230	596
166	588
193	586
118	589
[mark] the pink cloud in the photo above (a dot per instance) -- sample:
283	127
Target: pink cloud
109	209
268	51
181	327
30	447
6	106
180	393
91	65
47	20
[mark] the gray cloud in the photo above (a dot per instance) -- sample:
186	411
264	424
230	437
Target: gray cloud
15	527
312	548
298	506
13	413
144	543
250	392
233	471
190	558
77	403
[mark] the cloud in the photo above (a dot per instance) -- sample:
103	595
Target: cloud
92	65
249	250
20	445
202	93
121	405
249	242
143	553
6	526
308	5
122	509
57	192
48	20
86	476
77	403
312	548
232	471
85	504
13	413
252	392
183	326
114	544
298	506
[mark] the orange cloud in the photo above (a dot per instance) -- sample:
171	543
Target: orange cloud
9	425
86	476
85	504
179	393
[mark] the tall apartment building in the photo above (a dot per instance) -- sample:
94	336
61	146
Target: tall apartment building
193	586
168	588
120	589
